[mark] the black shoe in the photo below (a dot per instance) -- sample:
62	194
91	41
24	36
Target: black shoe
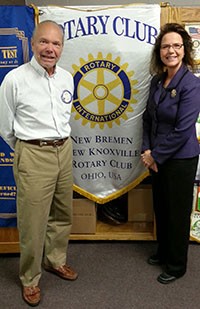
165	278
154	260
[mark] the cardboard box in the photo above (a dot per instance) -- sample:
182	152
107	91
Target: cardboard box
84	216
140	204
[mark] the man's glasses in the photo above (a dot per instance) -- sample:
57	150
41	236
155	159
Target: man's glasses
175	46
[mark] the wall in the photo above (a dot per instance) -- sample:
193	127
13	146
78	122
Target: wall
13	2
177	3
108	2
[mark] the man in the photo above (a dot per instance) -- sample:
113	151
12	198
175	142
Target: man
35	107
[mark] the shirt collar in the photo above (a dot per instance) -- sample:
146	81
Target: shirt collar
39	68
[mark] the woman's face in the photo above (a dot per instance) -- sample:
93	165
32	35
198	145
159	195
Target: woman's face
172	50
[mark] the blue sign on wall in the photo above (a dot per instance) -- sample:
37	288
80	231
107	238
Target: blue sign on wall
16	27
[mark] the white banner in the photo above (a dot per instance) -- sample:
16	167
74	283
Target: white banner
107	49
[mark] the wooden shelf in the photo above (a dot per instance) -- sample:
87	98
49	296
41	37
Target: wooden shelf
9	247
141	225
127	231
9	239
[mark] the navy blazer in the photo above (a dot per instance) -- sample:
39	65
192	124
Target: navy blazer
170	117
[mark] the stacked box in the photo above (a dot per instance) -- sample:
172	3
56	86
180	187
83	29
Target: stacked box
140	204
84	216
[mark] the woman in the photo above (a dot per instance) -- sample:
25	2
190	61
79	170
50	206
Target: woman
170	147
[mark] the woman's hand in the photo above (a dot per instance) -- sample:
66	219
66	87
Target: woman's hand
148	160
154	167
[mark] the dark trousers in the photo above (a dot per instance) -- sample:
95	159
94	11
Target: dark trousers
172	198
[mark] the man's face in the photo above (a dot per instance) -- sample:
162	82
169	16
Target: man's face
47	45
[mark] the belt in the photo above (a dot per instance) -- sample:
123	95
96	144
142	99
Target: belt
41	142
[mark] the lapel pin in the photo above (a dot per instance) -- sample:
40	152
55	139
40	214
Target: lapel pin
173	93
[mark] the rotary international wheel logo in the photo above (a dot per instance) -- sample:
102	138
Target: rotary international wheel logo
104	91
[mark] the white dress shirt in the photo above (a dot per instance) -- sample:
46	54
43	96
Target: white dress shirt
34	105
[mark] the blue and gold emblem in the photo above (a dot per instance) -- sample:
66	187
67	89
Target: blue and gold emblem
104	91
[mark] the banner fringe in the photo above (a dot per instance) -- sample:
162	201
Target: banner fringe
112	196
194	239
36	13
104	7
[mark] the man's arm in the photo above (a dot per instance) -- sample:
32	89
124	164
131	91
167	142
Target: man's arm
7	111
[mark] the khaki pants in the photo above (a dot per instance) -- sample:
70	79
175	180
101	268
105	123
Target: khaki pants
44	182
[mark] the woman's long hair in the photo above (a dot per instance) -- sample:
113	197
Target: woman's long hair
156	64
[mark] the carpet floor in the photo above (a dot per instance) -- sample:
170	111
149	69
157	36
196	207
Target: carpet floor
112	275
